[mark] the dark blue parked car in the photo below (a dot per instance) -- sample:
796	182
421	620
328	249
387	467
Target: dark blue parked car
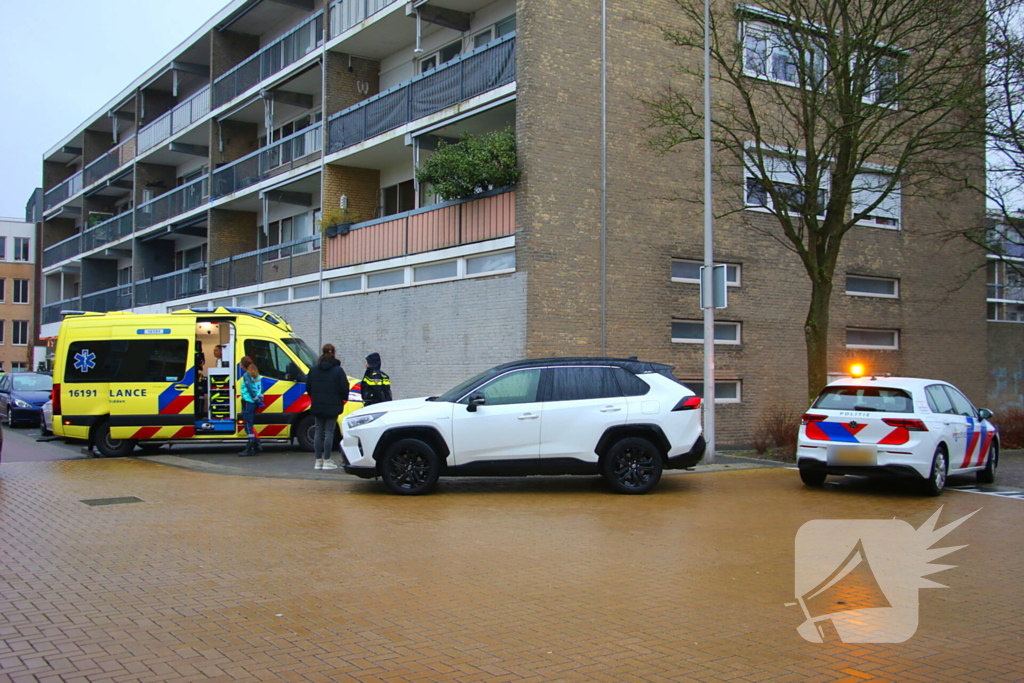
22	395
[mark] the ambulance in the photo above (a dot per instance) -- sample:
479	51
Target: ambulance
125	379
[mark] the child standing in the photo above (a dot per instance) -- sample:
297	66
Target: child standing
252	398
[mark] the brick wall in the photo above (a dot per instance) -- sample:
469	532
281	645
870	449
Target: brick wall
160	179
54	173
154	104
56	230
238	138
95	145
343	86
10	311
228	48
231	233
360	185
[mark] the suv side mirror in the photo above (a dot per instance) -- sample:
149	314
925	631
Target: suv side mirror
474	401
985	414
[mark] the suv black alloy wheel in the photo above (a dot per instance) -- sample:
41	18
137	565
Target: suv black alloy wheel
410	467
632	465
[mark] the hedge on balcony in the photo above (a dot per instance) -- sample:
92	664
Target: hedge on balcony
476	163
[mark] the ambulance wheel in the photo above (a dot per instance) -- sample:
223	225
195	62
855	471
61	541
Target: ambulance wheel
304	433
110	447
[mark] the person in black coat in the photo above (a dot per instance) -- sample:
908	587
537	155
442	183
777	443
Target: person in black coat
376	385
327	386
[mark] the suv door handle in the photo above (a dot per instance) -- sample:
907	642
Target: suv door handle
528	416
610	409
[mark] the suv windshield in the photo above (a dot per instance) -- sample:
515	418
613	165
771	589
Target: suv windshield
33	383
302	350
875	399
456	392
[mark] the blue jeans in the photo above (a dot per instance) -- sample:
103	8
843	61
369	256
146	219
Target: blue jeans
323	438
249	418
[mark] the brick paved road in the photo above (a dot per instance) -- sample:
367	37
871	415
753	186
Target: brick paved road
226	578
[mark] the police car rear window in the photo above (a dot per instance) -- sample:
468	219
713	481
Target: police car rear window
126	360
869	399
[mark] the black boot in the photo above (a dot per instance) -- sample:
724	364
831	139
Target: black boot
259	446
249	450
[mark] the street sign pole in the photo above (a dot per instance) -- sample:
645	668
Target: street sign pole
709	255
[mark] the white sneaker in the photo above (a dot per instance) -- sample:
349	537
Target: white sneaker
328	465
319	464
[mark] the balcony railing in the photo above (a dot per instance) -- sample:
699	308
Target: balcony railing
463	221
286	50
68	188
291	152
63	250
106	300
51	312
298	257
108	231
177	285
176	120
110	161
463	78
347	13
174	203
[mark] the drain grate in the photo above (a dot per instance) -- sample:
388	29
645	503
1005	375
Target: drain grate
111	501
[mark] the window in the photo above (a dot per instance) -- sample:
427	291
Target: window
345	284
3	290
435	271
19	333
878	399
1	366
726	391
21	249
515	387
271	360
692	332
287	230
502	28
21	291
124	360
863	285
388	278
249	300
938	400
398	198
580	384
1005	291
689	271
3	252
771	52
490	263
859	338
884	78
23	367
275	296
960	403
630	384
868	189
306	291
189	257
445	54
124	276
788	177
3	327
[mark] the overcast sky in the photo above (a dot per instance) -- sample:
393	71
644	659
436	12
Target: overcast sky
61	60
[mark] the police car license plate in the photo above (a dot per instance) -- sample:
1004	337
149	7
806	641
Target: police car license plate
852	455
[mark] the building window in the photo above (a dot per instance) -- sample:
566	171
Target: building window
344	285
289	230
19	367
787	176
689	272
692	332
398	198
3	290
3	328
21	246
1005	291
884	77
726	391
388	278
3	253
491	263
21	288
502	28
19	333
435	271
445	54
306	291
861	338
275	296
863	285
124	276
770	52
870	207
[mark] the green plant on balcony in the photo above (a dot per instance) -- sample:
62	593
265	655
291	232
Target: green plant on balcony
476	163
335	221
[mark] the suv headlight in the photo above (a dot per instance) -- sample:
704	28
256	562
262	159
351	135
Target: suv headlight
360	420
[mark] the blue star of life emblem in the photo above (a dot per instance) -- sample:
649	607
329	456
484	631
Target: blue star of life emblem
85	360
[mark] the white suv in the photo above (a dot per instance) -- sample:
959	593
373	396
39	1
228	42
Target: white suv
624	419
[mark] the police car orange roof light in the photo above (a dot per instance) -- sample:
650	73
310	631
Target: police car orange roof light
857	370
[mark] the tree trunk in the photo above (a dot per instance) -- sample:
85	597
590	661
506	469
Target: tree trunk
816	336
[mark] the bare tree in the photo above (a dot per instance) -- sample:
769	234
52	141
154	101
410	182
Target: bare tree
827	112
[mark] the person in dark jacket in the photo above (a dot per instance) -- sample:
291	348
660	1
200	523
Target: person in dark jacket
376	385
327	386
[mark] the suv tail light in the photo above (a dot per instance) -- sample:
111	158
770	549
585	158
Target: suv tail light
688	403
807	418
909	425
55	397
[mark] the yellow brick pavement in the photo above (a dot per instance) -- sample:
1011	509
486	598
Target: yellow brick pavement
224	578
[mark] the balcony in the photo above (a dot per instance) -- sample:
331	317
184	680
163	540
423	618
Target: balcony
174	203
438	226
108	231
182	283
110	162
66	189
175	121
51	312
298	257
113	299
286	50
63	250
461	79
298	149
347	13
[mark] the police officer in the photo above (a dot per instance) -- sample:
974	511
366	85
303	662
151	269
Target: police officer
376	385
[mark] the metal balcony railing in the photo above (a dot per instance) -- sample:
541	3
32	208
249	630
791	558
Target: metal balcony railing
298	257
63	250
463	78
286	50
347	13
174	203
51	312
175	121
110	161
106	300
108	231
287	153
66	189
182	283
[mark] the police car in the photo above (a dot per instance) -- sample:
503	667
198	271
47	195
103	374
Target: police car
921	429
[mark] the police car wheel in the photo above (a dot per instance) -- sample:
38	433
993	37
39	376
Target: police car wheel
305	433
110	447
988	475
936	482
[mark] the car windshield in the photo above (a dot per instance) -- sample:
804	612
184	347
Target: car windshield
871	399
302	350
33	383
457	392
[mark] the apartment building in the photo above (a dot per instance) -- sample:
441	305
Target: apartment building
203	183
17	294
